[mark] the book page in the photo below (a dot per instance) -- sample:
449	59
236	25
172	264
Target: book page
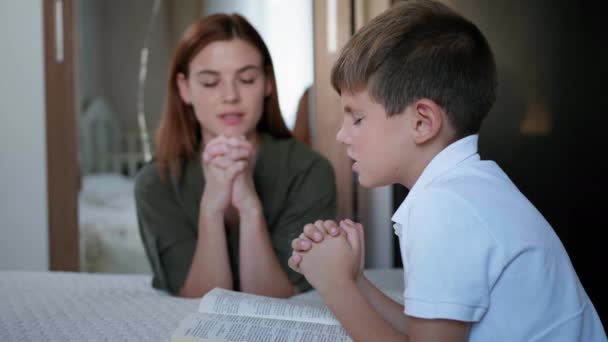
227	302
215	327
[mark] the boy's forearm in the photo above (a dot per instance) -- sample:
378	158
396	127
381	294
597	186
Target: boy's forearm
358	316
390	310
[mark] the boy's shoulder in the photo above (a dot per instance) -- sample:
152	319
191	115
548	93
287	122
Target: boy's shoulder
473	189
472	175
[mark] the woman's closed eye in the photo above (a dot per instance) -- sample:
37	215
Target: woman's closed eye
248	76
208	82
357	121
212	84
247	80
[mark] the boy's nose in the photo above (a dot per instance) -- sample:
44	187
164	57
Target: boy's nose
341	136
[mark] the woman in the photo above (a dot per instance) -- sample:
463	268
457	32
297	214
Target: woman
229	188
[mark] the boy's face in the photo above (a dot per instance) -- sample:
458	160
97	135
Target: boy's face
378	145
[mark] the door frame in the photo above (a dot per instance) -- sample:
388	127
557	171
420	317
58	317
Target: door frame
61	133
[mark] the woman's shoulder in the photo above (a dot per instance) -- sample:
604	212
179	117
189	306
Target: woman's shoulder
290	172
148	179
289	163
148	174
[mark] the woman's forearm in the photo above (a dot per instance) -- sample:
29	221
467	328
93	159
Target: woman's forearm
210	264
260	271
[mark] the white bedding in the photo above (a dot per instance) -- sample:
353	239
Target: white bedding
59	306
109	235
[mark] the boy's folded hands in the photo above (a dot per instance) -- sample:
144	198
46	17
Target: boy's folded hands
327	253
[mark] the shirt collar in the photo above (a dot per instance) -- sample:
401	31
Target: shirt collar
445	160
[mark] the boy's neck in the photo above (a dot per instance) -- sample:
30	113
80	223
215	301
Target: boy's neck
424	154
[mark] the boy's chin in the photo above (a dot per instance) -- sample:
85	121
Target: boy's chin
368	182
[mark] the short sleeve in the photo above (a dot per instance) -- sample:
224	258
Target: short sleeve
312	197
168	236
449	259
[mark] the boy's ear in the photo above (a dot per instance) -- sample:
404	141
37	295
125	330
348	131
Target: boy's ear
427	120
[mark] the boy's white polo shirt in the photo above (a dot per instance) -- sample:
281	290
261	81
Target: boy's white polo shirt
475	249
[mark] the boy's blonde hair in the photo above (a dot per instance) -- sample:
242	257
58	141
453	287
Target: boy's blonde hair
421	49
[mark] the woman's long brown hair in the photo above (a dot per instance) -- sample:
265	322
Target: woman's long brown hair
179	133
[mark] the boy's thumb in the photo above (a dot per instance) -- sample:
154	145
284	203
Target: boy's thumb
352	236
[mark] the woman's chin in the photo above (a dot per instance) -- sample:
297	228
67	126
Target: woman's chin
230	132
238	131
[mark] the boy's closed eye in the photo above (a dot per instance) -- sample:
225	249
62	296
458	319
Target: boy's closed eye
356	118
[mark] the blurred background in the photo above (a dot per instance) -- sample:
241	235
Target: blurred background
72	98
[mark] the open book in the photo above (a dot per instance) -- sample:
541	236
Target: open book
225	315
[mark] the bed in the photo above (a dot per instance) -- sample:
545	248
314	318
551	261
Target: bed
109	159
64	306
109	235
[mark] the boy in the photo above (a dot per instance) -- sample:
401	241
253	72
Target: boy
480	262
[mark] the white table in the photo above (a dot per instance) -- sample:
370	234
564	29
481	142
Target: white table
63	306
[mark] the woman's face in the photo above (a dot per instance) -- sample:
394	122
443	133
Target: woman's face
226	86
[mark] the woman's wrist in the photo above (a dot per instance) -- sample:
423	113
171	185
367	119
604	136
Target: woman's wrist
210	212
251	210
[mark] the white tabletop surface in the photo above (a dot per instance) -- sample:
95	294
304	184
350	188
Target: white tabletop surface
64	306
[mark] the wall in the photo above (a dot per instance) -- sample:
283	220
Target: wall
89	59
112	34
23	184
548	123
